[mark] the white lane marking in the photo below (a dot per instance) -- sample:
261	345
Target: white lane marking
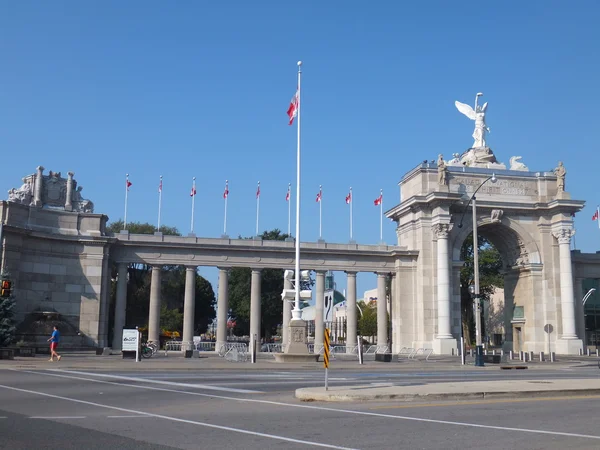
324	408
176	419
57	417
3	417
131	416
168	383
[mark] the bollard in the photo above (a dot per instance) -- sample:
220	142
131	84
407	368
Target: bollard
597	352
471	353
552	357
589	352
522	355
580	352
485	353
542	357
493	352
530	356
511	355
501	352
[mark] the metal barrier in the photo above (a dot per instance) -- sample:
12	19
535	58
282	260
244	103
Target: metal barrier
405	351
426	352
377	349
206	346
272	348
173	346
234	351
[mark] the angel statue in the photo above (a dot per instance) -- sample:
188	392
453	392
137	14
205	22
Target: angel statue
478	115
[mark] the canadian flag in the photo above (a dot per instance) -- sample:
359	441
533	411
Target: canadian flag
349	197
378	200
287	195
128	184
226	191
258	190
595	216
160	186
193	191
293	109
319	196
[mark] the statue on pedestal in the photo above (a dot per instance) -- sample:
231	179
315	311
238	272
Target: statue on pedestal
478	115
442	171
561	174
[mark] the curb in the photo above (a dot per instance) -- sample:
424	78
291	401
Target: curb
307	396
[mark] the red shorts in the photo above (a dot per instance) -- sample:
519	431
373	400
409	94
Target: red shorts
53	345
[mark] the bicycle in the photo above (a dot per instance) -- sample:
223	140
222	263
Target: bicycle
149	349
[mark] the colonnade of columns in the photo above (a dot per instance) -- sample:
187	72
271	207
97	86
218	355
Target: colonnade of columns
255	307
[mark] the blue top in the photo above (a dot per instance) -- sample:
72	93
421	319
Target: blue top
55	336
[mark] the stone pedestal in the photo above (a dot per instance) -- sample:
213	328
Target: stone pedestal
568	346
444	346
296	349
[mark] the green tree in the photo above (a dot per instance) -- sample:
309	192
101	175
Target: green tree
490	278
367	319
271	289
7	325
172	289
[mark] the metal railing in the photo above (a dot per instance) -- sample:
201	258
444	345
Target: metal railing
234	351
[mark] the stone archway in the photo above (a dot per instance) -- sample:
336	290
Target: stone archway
526	215
521	269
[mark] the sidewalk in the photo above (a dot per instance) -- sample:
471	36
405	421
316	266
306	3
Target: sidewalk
468	390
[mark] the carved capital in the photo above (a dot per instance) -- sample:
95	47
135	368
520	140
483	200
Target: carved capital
441	230
564	235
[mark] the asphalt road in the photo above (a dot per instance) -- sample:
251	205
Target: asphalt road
240	409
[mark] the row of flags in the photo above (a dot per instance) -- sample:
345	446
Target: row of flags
377	202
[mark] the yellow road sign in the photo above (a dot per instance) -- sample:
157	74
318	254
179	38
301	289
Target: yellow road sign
326	348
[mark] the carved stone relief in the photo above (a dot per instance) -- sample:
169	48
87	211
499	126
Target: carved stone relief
441	230
496	215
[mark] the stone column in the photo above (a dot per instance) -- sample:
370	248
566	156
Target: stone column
287	315
255	307
351	322
69	200
39	182
443	282
189	306
120	306
394	336
222	308
154	316
382	325
569	343
319	311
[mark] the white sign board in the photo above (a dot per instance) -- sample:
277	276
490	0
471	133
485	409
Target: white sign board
328	307
130	340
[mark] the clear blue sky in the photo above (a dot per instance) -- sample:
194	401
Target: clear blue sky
185	89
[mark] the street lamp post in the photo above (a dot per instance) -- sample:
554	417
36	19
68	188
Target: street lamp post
474	289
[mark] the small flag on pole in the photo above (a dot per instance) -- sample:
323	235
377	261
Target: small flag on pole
128	184
160	185
378	200
258	190
193	191
595	216
287	195
349	198
226	191
293	109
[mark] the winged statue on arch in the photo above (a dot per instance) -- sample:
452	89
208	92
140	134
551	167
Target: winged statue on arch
478	115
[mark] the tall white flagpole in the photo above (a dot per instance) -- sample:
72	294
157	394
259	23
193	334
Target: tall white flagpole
159	202
351	213
225	196
193	202
257	205
381	216
126	197
289	199
320	211
297	312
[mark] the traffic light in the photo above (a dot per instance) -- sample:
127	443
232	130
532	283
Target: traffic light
5	288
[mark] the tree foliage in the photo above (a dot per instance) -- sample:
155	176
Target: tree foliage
271	289
490	278
367	319
172	289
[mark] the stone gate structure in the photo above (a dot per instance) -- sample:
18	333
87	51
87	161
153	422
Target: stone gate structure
60	257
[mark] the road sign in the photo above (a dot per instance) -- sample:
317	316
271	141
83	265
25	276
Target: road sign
326	354
328	307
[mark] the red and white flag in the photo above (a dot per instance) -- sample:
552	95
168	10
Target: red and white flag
595	216
319	195
258	190
160	185
293	109
349	198
226	191
128	184
287	195
193	191
378	200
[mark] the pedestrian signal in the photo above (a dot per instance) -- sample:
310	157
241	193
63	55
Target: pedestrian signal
5	288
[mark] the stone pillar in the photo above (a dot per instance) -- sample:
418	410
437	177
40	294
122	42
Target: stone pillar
394	331
39	183
443	343
154	316
382	325
255	307
69	200
222	308
319	311
568	343
351	322
287	315
189	306
120	306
